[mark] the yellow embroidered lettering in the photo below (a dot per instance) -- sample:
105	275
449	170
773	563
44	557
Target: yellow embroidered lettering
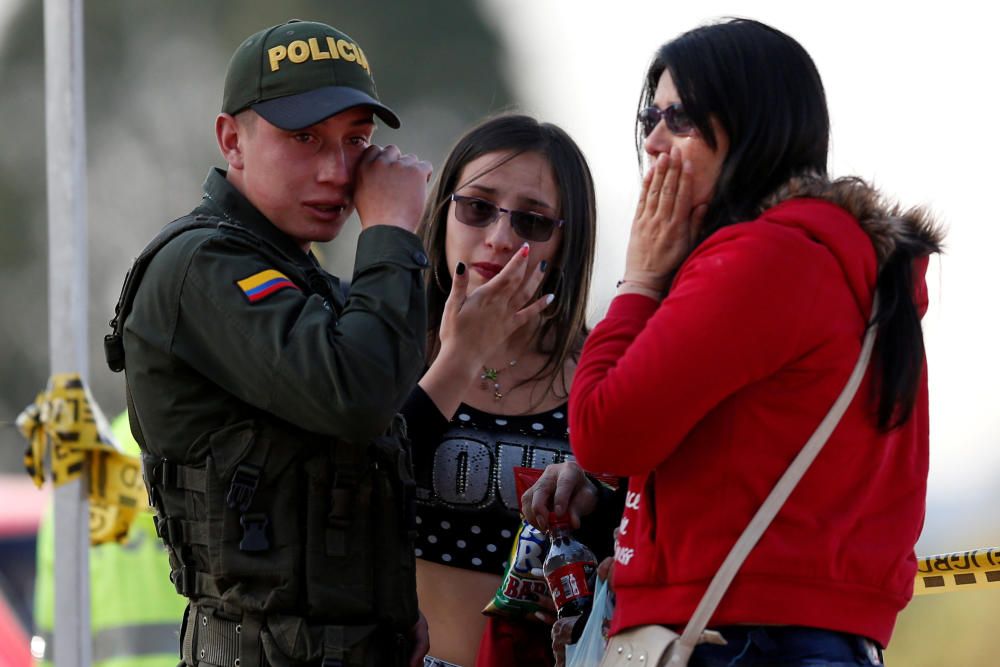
346	50
332	46
314	50
275	55
298	51
362	60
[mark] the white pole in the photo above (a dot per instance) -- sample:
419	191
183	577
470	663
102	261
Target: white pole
67	203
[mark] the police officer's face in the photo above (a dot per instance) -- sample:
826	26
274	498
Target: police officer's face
522	183
302	180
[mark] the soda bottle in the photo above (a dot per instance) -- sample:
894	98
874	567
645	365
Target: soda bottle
569	569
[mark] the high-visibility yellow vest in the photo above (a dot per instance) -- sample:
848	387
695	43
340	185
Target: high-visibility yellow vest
135	613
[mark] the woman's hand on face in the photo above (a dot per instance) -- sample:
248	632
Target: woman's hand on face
562	488
474	323
665	224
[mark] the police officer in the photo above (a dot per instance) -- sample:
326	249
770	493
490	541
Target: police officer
264	397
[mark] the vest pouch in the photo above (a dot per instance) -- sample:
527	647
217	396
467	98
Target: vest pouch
394	500
342	560
289	641
164	501
253	512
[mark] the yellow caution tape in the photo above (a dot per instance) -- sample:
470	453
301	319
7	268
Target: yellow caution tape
67	430
962	571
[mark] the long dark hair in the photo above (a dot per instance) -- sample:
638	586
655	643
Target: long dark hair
564	325
765	92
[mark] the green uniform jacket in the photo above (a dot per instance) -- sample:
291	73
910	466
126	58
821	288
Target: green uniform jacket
199	352
229	326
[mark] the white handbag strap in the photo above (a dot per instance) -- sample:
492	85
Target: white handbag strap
773	503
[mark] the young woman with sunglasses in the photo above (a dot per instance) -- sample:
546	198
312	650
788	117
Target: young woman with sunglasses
749	282
509	230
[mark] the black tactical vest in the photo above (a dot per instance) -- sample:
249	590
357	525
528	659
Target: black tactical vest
292	547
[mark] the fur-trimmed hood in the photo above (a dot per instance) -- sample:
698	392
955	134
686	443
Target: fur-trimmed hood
891	228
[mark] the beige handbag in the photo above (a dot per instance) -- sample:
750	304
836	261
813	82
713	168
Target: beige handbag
658	646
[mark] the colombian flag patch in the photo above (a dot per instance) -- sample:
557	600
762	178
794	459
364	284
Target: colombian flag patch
263	284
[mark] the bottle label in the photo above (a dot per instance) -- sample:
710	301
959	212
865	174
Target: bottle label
571	582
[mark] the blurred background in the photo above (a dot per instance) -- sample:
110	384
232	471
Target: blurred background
911	105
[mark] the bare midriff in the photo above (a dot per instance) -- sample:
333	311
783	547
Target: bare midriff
452	600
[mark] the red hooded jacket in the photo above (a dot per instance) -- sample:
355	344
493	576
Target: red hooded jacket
704	398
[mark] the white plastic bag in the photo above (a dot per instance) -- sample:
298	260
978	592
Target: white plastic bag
590	649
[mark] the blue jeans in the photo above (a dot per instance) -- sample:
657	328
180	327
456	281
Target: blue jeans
786	646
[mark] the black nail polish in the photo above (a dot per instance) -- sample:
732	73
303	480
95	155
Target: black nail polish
460	269
543	265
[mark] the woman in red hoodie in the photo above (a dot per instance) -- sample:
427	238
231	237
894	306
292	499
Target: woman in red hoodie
749	280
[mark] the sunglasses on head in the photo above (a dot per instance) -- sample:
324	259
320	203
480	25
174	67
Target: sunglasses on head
477	212
677	120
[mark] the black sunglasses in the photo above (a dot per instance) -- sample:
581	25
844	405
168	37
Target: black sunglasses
677	120
477	212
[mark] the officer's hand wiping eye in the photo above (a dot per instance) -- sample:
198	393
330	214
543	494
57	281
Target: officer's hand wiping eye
390	187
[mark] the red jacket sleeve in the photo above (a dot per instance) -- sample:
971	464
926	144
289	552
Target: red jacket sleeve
649	372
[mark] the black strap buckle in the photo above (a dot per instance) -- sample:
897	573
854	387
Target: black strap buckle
114	352
153	494
254	532
169	530
184	579
243	486
165	473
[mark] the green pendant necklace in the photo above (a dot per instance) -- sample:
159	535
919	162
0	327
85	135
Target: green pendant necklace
491	376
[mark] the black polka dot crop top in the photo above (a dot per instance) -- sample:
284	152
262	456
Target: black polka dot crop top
467	504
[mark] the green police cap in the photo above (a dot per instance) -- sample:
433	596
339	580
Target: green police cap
300	73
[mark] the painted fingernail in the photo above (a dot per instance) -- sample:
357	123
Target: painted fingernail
460	269
524	250
549	299
542	265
